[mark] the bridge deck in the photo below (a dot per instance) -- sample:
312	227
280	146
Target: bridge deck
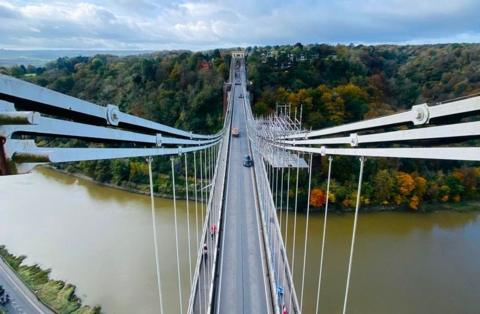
242	284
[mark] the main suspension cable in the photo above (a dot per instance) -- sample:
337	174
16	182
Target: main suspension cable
157	259
362	162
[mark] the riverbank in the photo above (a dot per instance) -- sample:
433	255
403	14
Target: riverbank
137	189
57	295
463	206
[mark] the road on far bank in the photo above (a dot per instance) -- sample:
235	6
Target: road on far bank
22	300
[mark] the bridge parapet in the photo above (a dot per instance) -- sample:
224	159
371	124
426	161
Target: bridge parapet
281	280
203	288
28	109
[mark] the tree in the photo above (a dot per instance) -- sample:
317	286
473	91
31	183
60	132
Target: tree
260	108
121	171
333	106
383	184
354	99
406	184
103	172
317	197
420	186
414	202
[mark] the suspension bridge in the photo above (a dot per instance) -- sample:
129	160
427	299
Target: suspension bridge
240	231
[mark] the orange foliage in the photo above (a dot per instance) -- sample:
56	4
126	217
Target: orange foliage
317	197
406	184
420	186
414	202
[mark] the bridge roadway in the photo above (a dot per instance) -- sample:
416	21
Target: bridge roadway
242	285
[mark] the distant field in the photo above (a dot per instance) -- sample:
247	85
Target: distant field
10	58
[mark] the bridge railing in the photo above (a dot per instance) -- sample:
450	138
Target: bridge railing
452	135
201	296
31	110
281	280
435	129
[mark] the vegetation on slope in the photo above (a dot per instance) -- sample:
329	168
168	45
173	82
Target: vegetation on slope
334	84
180	89
58	295
342	84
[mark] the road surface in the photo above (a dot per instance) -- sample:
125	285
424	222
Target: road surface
22	300
242	284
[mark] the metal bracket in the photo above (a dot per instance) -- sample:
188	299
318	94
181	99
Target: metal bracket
323	151
354	139
158	140
421	114
24	161
112	115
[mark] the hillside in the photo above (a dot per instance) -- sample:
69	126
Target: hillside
333	84
178	88
341	84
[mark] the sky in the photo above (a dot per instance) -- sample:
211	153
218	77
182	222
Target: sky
202	25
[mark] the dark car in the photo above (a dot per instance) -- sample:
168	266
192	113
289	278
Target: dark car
247	161
4	297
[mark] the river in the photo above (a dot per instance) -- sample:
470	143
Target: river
100	239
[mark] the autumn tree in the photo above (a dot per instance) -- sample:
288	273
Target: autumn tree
406	185
355	101
317	197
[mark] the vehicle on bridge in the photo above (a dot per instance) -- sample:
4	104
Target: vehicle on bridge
235	132
4	297
205	250
247	161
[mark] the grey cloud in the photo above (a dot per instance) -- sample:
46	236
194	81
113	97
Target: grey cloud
7	13
148	24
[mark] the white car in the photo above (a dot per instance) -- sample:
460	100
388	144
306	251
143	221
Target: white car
235	132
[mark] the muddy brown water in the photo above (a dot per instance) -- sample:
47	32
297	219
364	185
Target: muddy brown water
100	239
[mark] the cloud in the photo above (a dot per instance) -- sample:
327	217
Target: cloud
146	24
